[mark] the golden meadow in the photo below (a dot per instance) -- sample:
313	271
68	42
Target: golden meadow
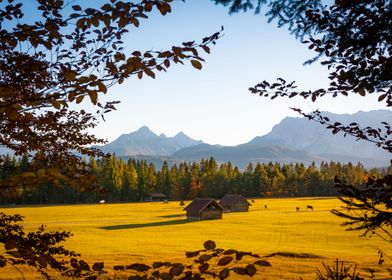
156	231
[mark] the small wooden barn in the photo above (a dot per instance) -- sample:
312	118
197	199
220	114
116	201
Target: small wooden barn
155	197
204	209
234	203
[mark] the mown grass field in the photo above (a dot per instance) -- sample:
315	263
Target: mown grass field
155	231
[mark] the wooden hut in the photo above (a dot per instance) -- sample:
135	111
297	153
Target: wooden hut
155	197
234	203
203	209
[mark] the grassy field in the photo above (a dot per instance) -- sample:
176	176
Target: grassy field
147	232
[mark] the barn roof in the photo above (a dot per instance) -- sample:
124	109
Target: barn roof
230	199
199	204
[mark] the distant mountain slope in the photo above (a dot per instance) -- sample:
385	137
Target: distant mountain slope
145	142
300	133
241	155
301	140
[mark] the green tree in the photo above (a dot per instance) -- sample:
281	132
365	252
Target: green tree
163	182
247	180
194	184
175	186
130	181
260	179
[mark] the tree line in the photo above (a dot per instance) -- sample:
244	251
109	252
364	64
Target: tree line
122	181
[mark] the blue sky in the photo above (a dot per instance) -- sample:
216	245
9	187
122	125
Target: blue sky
214	104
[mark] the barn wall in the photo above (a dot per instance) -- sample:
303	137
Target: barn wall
191	216
207	215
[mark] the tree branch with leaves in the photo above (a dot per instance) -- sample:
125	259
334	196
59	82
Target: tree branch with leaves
68	54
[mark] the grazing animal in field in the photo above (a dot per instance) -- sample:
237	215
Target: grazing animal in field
265	206
309	207
253	201
182	203
297	209
102	201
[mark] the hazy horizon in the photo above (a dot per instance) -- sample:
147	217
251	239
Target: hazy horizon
160	132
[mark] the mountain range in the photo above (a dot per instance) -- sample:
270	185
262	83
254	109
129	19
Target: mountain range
145	142
292	140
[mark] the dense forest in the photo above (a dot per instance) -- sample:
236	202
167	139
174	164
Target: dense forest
121	181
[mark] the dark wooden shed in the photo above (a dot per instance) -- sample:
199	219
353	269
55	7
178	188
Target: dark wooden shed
204	209
155	197
234	203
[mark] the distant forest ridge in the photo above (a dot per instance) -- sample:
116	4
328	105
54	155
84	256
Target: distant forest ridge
132	180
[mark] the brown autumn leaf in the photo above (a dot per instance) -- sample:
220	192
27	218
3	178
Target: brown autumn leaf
196	64
225	260
98	266
192	254
251	269
204	267
10	244
176	270
139	267
209	245
223	274
262	263
240	270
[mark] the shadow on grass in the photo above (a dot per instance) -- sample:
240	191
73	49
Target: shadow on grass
173	216
156	224
294	255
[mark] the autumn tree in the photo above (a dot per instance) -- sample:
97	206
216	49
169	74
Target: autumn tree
67	54
354	40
